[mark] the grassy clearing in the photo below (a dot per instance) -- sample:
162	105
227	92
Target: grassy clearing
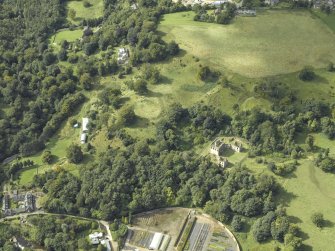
309	191
58	144
69	35
274	42
95	11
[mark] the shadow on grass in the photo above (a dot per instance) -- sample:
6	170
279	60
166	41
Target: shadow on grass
176	58
284	197
305	247
304	236
140	123
294	219
328	224
88	158
165	80
320	79
228	152
123	100
152	94
78	19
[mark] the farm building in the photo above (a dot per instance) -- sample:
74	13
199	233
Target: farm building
271	2
246	12
95	238
29	202
156	241
83	138
85	124
218	3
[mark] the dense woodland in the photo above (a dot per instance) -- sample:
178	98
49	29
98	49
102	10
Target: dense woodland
51	232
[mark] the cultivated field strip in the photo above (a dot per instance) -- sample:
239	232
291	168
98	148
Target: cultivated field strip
140	238
198	236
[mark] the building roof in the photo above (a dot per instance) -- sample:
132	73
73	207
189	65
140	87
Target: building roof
156	241
85	123
96	235
83	138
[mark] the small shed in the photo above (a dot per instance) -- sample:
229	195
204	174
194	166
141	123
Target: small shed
156	241
83	138
85	124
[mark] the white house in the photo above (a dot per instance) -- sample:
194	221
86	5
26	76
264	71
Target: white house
83	138
156	241
95	238
85	123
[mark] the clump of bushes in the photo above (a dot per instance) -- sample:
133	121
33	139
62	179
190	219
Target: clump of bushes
307	74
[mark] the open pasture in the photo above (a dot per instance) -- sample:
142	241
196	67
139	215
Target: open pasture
272	43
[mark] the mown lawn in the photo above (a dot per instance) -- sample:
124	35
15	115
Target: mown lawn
274	42
95	11
68	35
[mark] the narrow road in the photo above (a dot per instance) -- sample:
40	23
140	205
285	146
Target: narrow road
106	225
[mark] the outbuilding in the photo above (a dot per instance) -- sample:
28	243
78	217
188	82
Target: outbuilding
85	124
156	241
83	138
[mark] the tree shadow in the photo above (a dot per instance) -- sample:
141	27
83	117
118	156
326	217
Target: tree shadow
140	123
161	33
294	219
290	175
320	79
328	223
152	94
176	58
284	197
123	100
88	158
78	19
305	247
165	80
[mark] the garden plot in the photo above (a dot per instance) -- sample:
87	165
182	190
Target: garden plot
198	237
140	238
220	241
208	235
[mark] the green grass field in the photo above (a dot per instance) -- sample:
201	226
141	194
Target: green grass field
311	190
96	10
274	42
68	35
327	19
